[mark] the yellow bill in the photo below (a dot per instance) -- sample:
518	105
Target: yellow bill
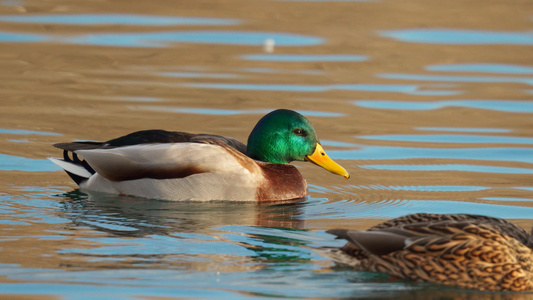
320	158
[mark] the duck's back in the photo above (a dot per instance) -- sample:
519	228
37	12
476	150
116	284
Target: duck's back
154	136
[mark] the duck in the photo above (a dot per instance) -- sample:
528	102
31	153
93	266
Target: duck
171	165
462	250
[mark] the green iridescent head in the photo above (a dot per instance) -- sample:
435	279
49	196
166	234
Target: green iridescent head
283	136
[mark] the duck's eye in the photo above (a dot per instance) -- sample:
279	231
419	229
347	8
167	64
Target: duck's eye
299	132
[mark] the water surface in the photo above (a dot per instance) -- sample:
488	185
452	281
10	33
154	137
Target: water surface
434	118
460	37
114	19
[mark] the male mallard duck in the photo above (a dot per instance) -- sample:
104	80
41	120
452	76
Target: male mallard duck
468	251
183	166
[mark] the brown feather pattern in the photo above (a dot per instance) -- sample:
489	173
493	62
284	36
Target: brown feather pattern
469	251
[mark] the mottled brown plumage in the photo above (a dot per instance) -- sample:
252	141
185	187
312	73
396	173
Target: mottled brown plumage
468	251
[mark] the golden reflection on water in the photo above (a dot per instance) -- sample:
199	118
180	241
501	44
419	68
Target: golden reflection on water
96	93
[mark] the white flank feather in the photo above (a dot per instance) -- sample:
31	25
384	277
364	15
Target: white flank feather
207	157
223	177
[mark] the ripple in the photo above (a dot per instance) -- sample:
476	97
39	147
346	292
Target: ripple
161	39
390	153
228	112
260	70
110	226
198	75
483	68
14	37
425	188
527	188
319	189
9	3
17	163
457	78
18	141
114	19
261	87
450	167
506	199
295	279
358	210
450	138
305	57
34	206
159	245
342	209
464	129
498	105
410	89
138	99
8	222
26	132
337	144
272	70
165	38
460	37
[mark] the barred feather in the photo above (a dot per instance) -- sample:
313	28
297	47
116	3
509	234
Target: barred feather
469	251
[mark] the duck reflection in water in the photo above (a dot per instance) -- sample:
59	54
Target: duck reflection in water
134	216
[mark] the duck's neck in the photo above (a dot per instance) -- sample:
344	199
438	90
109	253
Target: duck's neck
281	181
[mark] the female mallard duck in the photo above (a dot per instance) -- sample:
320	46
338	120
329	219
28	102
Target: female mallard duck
183	166
468	251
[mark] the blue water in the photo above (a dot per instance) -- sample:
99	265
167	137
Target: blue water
305	57
199	75
18	141
26	132
159	39
385	88
57	241
523	155
140	99
451	138
272	70
450	167
507	199
13	37
458	78
483	68
204	249
460	36
426	188
498	105
463	129
165	38
17	163
114	19
353	210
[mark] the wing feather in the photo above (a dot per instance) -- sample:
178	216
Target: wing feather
160	161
